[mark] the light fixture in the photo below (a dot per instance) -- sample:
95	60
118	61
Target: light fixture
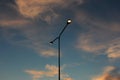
69	21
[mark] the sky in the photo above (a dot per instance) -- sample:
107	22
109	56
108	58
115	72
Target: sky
90	46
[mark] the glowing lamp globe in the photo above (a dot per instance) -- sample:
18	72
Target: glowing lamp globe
69	21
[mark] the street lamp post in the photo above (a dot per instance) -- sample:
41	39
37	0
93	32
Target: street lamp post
59	40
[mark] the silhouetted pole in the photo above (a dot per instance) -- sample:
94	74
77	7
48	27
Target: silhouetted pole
58	38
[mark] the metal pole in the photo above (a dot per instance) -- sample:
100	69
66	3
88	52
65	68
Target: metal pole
58	38
59	58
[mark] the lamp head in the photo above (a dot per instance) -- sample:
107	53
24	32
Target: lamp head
69	21
51	42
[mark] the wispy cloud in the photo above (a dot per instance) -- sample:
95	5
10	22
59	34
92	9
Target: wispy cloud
32	34
67	79
38	9
87	43
100	40
27	16
38	40
102	34
51	71
114	49
109	73
49	53
7	20
14	22
44	10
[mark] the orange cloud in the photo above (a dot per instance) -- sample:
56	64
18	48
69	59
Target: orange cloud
107	77
114	50
17	22
49	53
38	8
109	73
100	37
43	9
35	74
86	42
67	79
51	71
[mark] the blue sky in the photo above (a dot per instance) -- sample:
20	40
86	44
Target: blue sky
90	46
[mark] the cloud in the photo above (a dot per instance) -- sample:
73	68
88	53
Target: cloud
100	43
36	74
7	20
16	22
32	37
49	53
51	71
114	49
101	24
65	76
101	28
30	15
86	42
109	73
29	32
39	41
95	43
44	10
67	79
35	31
38	9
